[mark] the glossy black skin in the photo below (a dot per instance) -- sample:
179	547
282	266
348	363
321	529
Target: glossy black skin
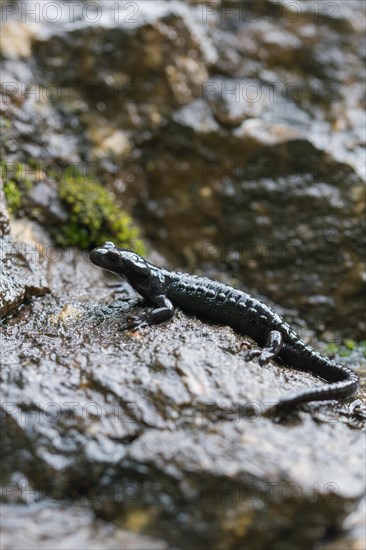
218	302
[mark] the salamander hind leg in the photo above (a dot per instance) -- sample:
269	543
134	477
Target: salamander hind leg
271	349
152	317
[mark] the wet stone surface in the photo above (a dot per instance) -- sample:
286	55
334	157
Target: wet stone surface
152	439
249	122
21	276
4	216
158	431
49	525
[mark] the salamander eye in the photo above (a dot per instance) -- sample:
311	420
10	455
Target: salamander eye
112	256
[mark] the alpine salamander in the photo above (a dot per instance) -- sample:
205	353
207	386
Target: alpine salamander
221	303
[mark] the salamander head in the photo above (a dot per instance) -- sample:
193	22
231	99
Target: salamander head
121	261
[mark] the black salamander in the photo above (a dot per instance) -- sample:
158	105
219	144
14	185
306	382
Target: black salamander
221	303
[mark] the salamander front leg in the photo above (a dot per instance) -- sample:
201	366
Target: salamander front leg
163	312
271	349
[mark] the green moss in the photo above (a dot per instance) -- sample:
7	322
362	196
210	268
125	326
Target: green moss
346	349
6	123
350	344
13	196
16	185
95	216
331	349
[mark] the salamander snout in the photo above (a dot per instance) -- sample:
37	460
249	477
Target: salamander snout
105	256
120	260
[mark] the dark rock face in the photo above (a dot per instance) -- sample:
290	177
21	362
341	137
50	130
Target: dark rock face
69	526
235	137
247	120
4	216
155	430
22	274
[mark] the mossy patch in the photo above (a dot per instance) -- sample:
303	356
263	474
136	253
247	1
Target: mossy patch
17	184
6	123
95	215
13	196
347	348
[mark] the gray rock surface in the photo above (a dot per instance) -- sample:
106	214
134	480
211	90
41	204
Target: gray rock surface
62	527
158	431
22	274
249	122
4	216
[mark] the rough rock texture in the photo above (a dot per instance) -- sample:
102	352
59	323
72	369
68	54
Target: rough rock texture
4	216
248	120
22	268
157	431
48	525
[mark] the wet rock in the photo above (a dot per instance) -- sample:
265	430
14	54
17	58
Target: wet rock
159	429
46	205
137	71
248	120
23	274
354	537
4	216
50	525
249	194
16	39
109	143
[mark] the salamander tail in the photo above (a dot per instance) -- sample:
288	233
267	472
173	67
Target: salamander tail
347	386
